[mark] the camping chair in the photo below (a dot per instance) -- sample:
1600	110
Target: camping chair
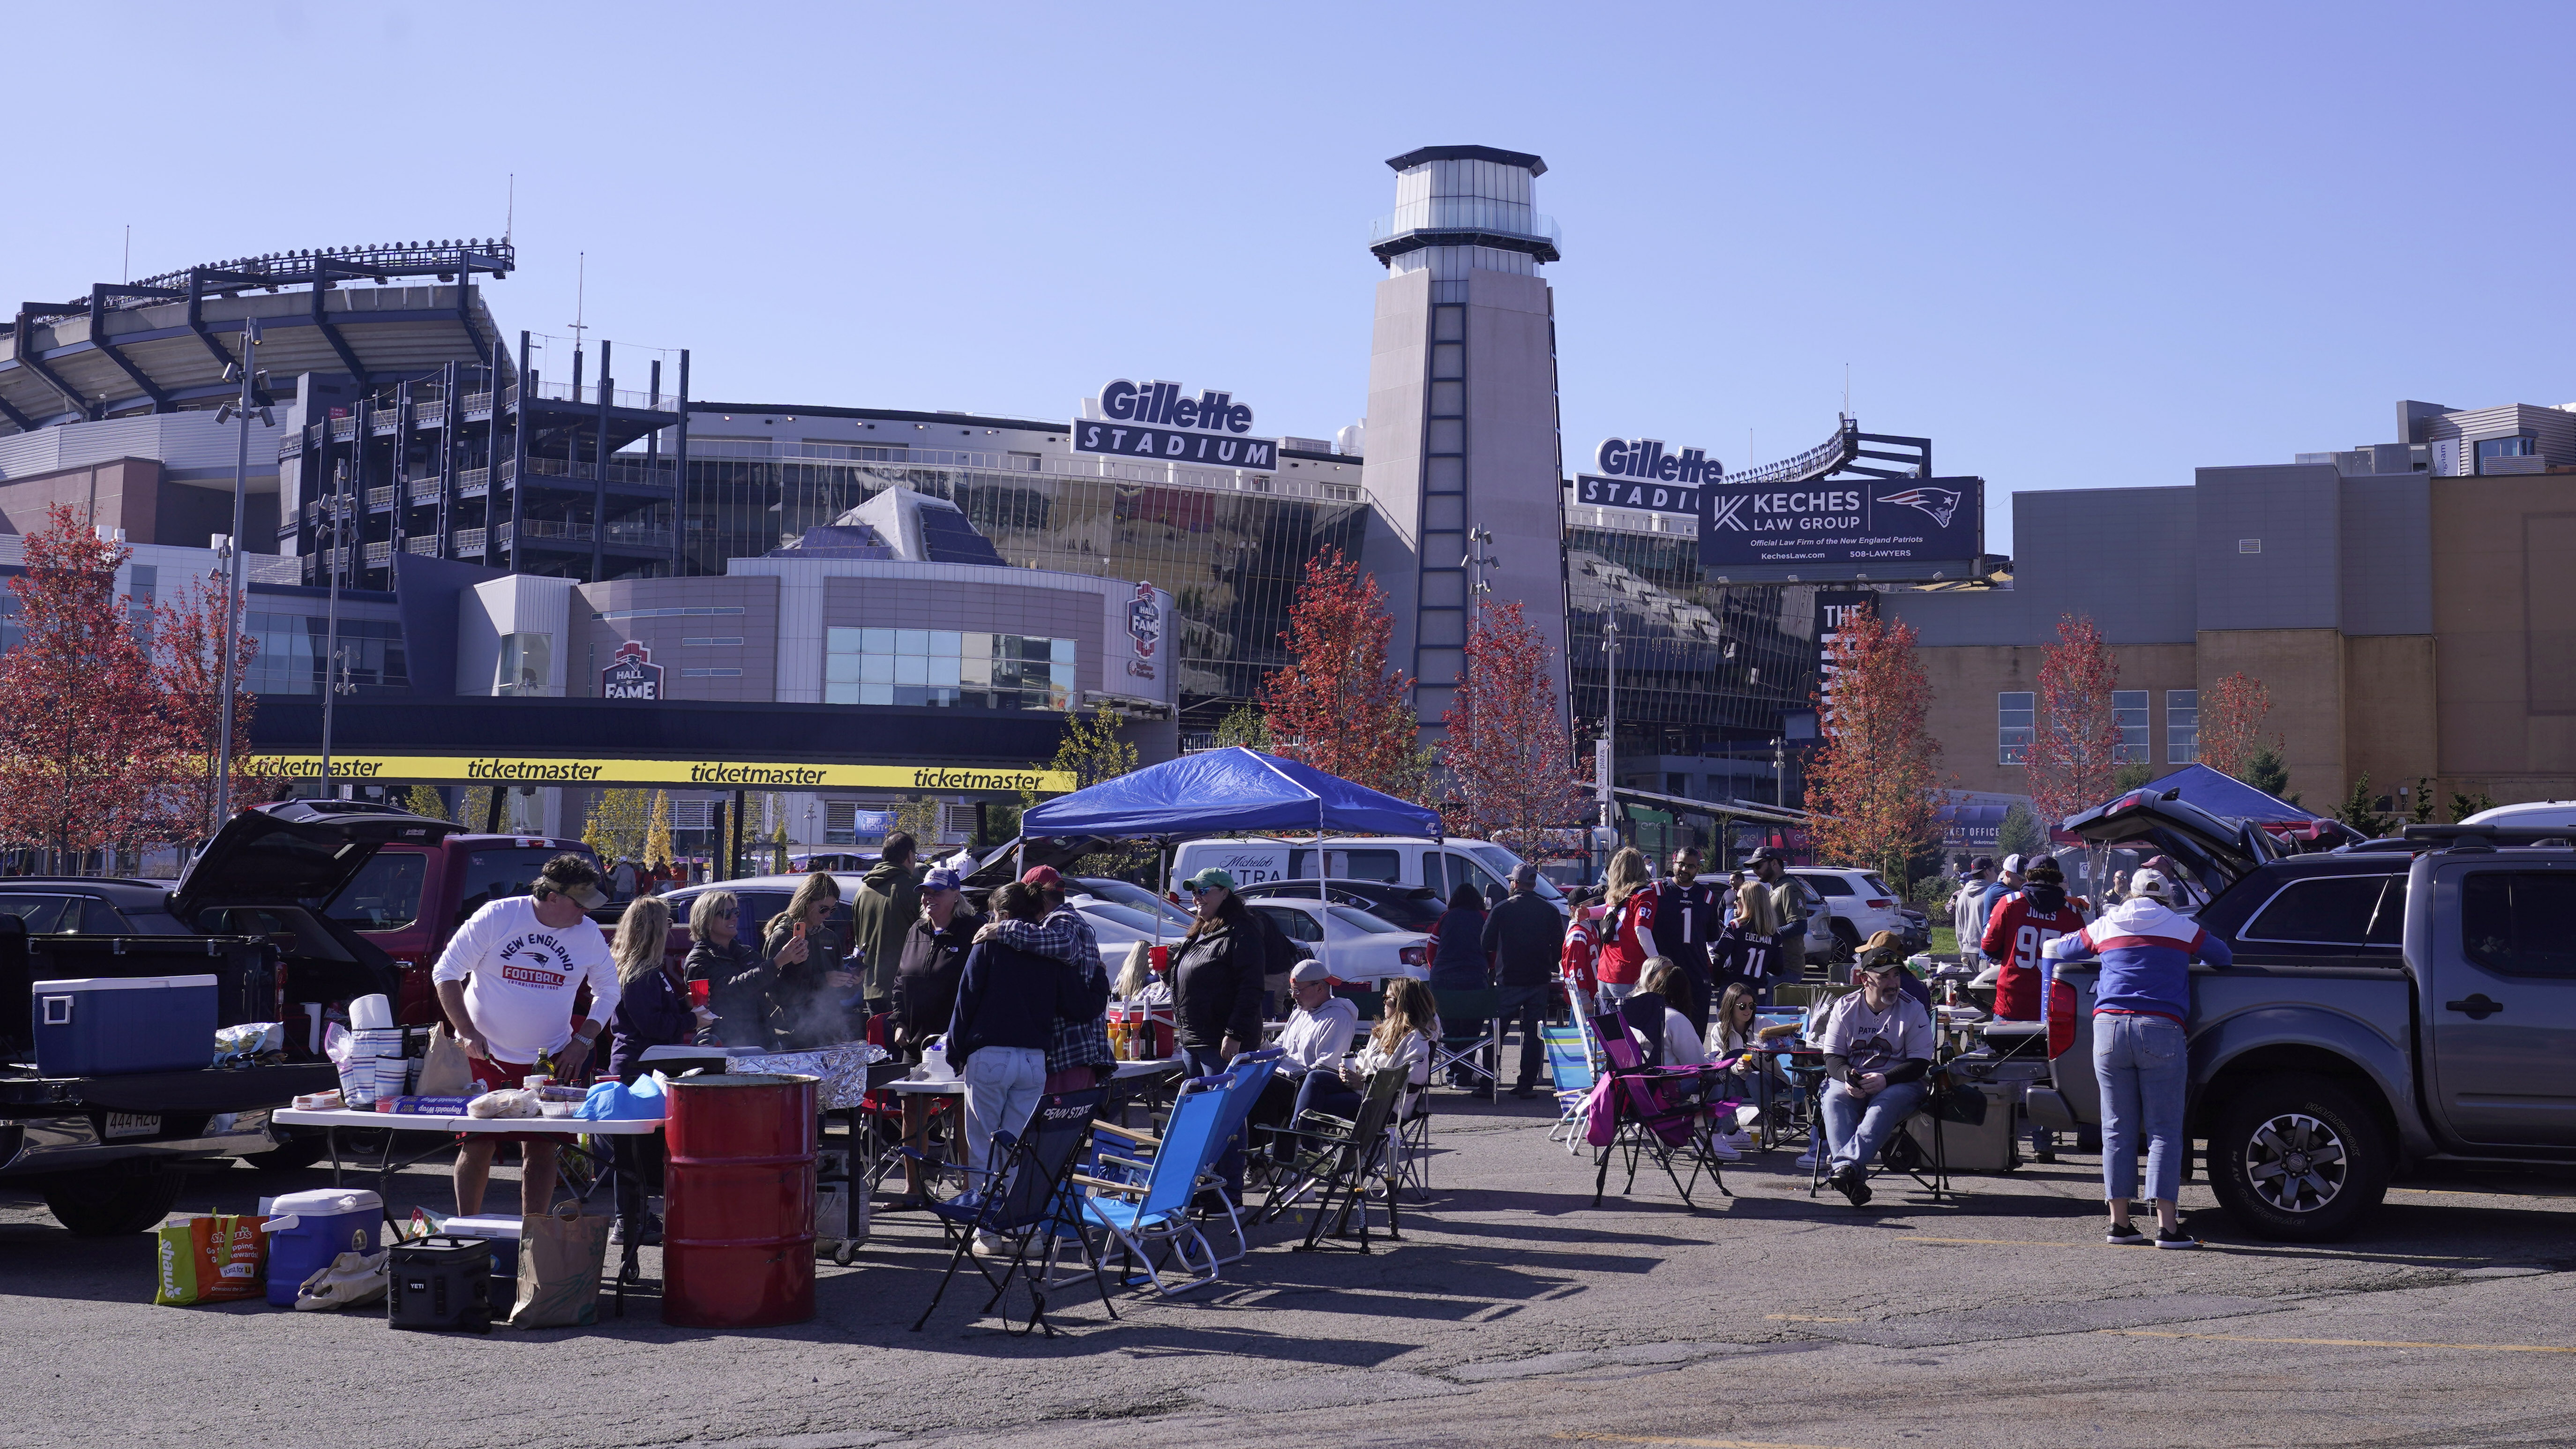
1408	1150
1337	1159
1463	1050
1251	1072
1659	1112
1902	1152
1154	1212
1022	1201
1570	1074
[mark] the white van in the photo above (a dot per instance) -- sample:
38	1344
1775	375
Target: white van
1439	865
2530	815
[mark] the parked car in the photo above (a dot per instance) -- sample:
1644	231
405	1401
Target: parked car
2401	1007
1354	945
1132	896
412	895
102	1148
762	897
1415	908
1857	905
1438	866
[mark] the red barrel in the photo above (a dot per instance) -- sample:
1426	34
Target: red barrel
738	1209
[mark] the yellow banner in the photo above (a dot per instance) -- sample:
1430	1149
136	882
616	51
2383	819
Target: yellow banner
683	774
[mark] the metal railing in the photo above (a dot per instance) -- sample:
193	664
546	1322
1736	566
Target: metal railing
473	481
425	490
469	543
1465	213
657	539
421	543
897	464
661	476
381	497
588	393
379	552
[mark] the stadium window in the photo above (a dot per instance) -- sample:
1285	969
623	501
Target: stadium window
2182	726
2013	712
2129	711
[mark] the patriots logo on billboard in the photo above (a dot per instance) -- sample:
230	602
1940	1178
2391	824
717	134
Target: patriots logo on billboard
1941	503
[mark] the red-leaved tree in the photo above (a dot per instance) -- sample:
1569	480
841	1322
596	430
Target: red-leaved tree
2074	759
1339	705
1871	784
80	737
1506	751
187	674
2231	723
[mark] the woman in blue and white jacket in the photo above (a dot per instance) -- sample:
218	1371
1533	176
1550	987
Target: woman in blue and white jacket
2140	1054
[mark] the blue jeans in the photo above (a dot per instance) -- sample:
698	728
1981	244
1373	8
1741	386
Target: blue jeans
1528	1006
1856	1127
2140	1062
1208	1062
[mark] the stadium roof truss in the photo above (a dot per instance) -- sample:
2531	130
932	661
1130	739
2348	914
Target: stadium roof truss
161	344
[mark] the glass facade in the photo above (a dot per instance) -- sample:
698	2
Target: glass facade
1701	665
1231	549
294	650
945	667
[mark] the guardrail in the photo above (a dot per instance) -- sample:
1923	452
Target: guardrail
619	397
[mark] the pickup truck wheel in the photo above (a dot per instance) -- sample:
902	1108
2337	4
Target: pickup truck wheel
110	1201
296	1153
2298	1159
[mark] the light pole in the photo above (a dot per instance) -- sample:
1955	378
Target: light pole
1610	727
248	369
332	671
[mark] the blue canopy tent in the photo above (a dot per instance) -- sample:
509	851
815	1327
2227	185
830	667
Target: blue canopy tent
1223	791
2228	797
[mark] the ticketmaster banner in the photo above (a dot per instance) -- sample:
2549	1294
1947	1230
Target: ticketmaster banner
683	774
1843	529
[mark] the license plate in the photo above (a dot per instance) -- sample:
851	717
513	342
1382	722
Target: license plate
133	1124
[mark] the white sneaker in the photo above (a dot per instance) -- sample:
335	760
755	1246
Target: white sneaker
1745	1117
1807	1160
991	1245
1723	1150
1740	1140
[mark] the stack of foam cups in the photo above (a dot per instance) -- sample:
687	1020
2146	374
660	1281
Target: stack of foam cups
374	1070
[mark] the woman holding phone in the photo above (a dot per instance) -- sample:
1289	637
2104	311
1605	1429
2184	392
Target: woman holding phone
811	1005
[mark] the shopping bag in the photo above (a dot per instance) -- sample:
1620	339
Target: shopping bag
560	1258
212	1257
346	1281
445	1072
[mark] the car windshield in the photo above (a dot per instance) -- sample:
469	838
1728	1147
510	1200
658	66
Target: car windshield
385	893
492	875
1502	864
1137	899
1354	916
1127	916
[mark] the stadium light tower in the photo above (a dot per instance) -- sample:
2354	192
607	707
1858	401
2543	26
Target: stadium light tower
248	368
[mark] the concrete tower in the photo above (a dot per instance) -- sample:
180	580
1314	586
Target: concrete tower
1462	419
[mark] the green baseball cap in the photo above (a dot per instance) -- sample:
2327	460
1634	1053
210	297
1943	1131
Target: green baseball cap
1211	876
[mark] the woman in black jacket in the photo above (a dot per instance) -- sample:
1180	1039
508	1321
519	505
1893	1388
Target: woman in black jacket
925	997
740	980
1217	987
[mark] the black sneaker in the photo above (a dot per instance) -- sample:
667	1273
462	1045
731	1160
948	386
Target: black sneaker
2125	1235
2175	1238
1853	1184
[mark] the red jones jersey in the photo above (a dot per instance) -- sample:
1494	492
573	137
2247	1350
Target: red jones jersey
2013	938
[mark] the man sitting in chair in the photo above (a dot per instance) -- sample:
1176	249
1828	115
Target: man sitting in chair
1878	1050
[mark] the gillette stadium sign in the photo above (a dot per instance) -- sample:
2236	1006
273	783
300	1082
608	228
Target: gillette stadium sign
1159	422
1843	528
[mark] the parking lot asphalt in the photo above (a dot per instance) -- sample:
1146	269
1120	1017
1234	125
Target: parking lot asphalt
1511	1312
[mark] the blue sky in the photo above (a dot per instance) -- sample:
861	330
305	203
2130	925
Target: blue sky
2076	246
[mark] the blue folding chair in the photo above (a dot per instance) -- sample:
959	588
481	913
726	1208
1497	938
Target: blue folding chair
1251	1072
1570	1073
1154	1213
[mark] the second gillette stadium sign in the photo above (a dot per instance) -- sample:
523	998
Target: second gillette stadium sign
1843	528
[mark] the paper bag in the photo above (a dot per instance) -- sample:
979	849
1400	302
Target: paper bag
212	1257
560	1258
445	1072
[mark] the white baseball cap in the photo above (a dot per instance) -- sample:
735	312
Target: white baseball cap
2012	865
2148	883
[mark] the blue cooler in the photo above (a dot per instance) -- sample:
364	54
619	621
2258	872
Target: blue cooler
104	1025
306	1230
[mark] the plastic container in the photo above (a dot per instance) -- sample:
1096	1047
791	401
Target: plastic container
502	1234
440	1282
317	1227
103	1025
738	1219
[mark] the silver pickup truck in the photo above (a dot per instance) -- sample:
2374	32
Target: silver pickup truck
2402	1007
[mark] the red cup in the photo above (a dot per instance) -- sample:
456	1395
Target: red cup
698	993
1160	956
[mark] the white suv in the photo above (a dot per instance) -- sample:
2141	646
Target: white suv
1858	903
